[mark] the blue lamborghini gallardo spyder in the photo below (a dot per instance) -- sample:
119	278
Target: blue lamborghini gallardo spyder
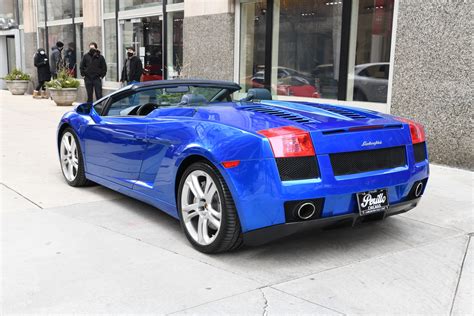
246	171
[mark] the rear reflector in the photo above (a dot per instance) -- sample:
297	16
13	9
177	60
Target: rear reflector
417	131
231	164
289	141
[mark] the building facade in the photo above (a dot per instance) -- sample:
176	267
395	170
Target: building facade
410	58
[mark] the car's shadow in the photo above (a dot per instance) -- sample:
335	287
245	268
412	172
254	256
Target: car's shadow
295	255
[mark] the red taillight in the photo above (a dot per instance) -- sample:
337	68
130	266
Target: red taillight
289	141
417	131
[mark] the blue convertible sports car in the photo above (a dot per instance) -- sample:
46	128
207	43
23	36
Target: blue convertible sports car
243	171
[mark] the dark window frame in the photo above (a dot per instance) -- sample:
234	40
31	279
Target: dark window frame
46	27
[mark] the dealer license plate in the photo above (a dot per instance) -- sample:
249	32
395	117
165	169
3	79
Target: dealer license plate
372	201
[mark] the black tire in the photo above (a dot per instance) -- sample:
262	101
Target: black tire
229	236
80	180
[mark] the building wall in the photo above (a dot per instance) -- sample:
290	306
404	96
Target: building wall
208	50
208	39
433	80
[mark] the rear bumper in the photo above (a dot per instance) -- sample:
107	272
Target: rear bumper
270	233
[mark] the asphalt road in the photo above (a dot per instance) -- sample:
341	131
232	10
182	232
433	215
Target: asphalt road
92	250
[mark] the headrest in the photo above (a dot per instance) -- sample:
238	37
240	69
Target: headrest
258	94
192	99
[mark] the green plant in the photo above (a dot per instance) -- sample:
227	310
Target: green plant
63	80
17	74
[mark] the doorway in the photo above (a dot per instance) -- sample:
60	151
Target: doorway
145	35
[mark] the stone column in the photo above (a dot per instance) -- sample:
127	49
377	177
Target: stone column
433	78
30	39
92	31
208	39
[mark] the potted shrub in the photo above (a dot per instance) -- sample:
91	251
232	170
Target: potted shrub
63	89
17	82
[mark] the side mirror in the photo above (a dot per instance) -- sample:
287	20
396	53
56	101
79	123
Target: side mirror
84	108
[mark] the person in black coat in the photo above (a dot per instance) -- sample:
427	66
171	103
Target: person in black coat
132	67
93	69
41	62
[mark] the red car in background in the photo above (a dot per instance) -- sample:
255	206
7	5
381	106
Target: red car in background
152	72
290	86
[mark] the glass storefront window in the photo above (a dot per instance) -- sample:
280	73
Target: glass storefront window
78	8
175	44
20	10
11	53
145	35
41	37
110	49
309	34
109	6
8	15
306	55
22	49
252	44
58	10
79	52
135	4
41	11
369	76
63	33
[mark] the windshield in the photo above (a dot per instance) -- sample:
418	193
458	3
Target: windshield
142	102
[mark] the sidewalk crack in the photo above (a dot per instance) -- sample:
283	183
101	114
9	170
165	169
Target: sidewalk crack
26	198
265	301
460	273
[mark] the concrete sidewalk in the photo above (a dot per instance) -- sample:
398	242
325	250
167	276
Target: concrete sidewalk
92	250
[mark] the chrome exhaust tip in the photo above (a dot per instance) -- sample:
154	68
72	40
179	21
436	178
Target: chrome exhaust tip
306	211
418	189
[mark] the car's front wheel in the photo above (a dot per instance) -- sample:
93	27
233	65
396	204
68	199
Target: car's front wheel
70	154
207	210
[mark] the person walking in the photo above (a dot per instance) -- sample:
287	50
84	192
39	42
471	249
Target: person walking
132	68
93	68
57	61
41	63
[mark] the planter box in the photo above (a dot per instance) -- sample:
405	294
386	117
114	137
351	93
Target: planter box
17	87
63	97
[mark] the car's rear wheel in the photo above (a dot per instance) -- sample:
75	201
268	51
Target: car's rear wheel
72	164
207	210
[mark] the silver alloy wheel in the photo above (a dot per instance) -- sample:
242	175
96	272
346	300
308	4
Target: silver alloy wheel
201	207
69	156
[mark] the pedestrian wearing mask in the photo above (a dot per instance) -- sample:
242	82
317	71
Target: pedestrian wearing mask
132	69
57	61
41	63
93	69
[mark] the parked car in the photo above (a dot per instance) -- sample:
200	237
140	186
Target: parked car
290	82
325	81
289	86
245	171
371	82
